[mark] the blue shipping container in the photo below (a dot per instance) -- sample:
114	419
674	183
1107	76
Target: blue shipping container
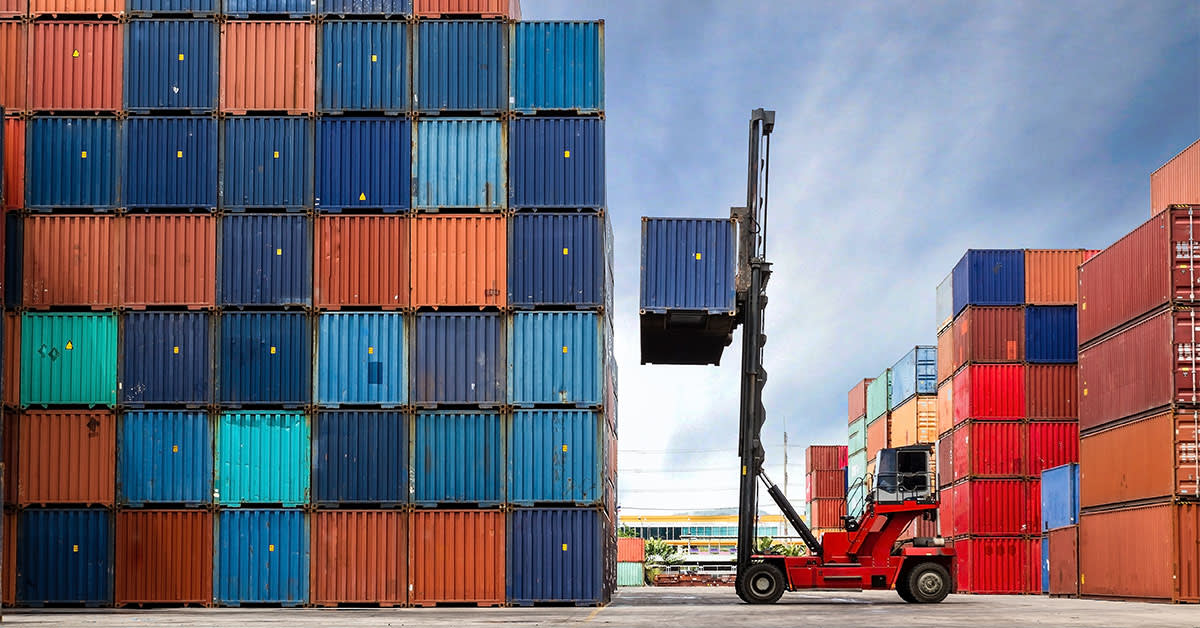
458	457
361	359
192	7
1060	497
266	358
166	358
915	374
261	556
556	555
1051	334
989	277
263	458
265	260
460	163
64	556
364	66
555	456
360	456
1045	564
461	65
268	162
556	163
557	66
384	8
688	264
458	358
171	64
556	259
364	163
72	162
171	162
244	8
164	457
555	358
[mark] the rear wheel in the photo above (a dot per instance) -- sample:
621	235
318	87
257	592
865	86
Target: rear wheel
927	583
903	590
762	584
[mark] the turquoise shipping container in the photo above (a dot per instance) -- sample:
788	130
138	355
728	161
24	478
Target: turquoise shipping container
554	456
555	358
458	457
262	556
68	358
263	458
361	359
631	574
461	163
857	440
879	394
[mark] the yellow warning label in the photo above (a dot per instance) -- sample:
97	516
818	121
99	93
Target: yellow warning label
272	350
564	547
70	345
697	256
564	447
564	349
174	449
362	197
1084	305
567	154
279	251
74	548
1084	392
178	154
175	350
83	154
271	547
276	154
374	58
75	54
370	350
181	56
566	251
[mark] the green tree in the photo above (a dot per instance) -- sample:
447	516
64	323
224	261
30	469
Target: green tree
626	532
768	545
659	552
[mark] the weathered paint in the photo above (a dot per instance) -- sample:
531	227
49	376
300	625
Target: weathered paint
989	277
171	64
482	8
1060	497
1150	459
556	259
11	355
631	574
14	44
265	259
268	66
364	163
66	457
361	261
996	565
155	7
554	358
1051	334
556	163
457	556
86	277
166	359
458	358
361	359
1052	275
555	456
988	335
557	66
68	358
245	8
360	557
64	556
72	163
556	555
364	66
55	8
164	456
268	162
262	458
914	374
261	556
385	8
879	393
359	457
1052	391
1165	565
266	358
461	65
76	66
164	557
458	260
857	435
14	159
169	259
458	457
460	163
688	264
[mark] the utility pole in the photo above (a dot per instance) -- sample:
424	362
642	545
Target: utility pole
786	531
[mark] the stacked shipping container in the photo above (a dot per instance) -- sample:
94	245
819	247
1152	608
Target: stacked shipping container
280	344
825	486
1060	530
857	457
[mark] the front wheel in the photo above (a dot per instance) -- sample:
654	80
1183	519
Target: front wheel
763	584
927	583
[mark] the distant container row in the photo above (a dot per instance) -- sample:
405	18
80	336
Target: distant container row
292	557
522	261
1010	277
303	67
269	358
328	458
294	163
420	8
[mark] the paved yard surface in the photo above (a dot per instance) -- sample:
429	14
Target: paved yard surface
660	607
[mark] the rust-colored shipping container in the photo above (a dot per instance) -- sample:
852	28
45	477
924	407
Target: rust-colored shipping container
825	485
1051	444
1051	391
361	261
631	550
989	449
1052	276
824	458
75	66
457	556
1177	181
996	565
1154	457
76	7
14	161
826	513
359	557
945	460
163	557
66	457
9	444
10	558
70	260
914	421
467	8
945	407
12	360
856	402
989	391
14	46
13	8
989	335
1163	564
945	354
268	66
1064	561
992	507
459	260
169	260
878	434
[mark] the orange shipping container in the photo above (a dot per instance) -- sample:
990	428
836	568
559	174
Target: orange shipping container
360	556
14	161
66	457
1177	182
164	557
14	44
1051	276
361	261
70	260
631	550
945	407
11	421
945	354
1050	391
13	8
1151	458
1163	564
76	66
457	556
459	8
826	513
12	359
268	66
76	7
459	260
878	435
169	260
914	421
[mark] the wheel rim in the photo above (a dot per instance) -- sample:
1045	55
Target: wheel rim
930	583
762	585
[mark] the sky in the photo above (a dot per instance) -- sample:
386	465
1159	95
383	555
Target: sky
905	134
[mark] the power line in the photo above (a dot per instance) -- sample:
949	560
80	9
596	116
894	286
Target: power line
676	490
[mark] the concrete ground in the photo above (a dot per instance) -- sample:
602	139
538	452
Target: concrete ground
661	607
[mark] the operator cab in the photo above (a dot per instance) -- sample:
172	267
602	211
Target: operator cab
904	475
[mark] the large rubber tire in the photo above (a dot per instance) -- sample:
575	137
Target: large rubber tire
903	590
928	583
763	584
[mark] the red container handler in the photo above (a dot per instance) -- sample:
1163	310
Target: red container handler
360	557
1064	561
457	556
1051	391
825	458
991	508
989	449
164	557
1051	444
1177	181
989	391
989	335
75	66
996	565
856	401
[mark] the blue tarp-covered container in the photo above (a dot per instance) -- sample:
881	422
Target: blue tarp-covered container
556	163
556	259
171	162
461	65
72	162
164	457
458	358
557	66
1051	334
555	456
170	64
557	555
360	457
915	374
555	358
364	163
989	277
268	162
361	359
64	556
458	457
363	66
1060	497
262	556
166	358
265	259
265	358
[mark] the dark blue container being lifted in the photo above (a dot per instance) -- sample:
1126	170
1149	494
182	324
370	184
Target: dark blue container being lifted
364	163
166	359
72	163
461	65
171	163
360	457
363	66
265	259
1051	334
289	8
557	66
384	8
164	457
65	556
266	359
556	163
556	555
171	65
458	359
989	277
268	163
556	260
187	7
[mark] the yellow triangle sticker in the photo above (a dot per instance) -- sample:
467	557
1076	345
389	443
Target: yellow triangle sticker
75	54
362	197
69	346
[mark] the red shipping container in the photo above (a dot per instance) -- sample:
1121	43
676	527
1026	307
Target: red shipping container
1161	563
169	260
989	449
826	513
989	391
1051	444
66	457
14	162
1064	561
631	550
456	556
14	47
825	485
989	335
824	458
945	407
361	261
164	557
945	354
12	360
1177	181
1034	510
945	460
877	435
1152	458
9	444
360	557
920	528
70	260
13	8
991	507
945	511
856	402
1051	391
268	66
458	8
1052	276
996	565
459	261
1140	273
76	66
76	7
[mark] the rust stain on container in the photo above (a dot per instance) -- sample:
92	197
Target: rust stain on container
361	261
457	556
70	260
1165	565
12	362
1052	276
1177	181
989	335
169	260
1155	457
14	44
481	8
76	7
459	260
14	160
76	66
268	66
164	557
360	556
66	457
1051	391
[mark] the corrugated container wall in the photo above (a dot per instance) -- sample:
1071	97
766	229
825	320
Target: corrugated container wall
631	550
68	358
856	401
65	556
824	458
10	564
169	260
66	457
360	557
357	164
268	66
688	264
556	555
76	7
268	163
364	66
556	259
265	260
289	8
879	392
458	260
997	565
989	335
14	161
11	380
14	43
72	163
631	574
484	8
1060	556
261	556
945	354
988	449
76	66
1152	458
1051	444
361	359
171	64
14	8
83	275
914	421
1165	566
458	358
443	543
556	163
992	507
1051	276
461	163
1050	334
461	66
360	457
265	358
458	457
386	8
857	436
263	457
557	66
555	456
164	457
164	557
191	7
1060	497
1177	181
1052	391
554	358
944	307
166	359
989	277
989	391
914	374
361	261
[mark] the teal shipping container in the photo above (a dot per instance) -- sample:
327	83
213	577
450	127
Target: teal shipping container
557	66
631	574
262	556
879	393
263	458
857	434
68	358
461	163
361	359
555	358
555	456
458	457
